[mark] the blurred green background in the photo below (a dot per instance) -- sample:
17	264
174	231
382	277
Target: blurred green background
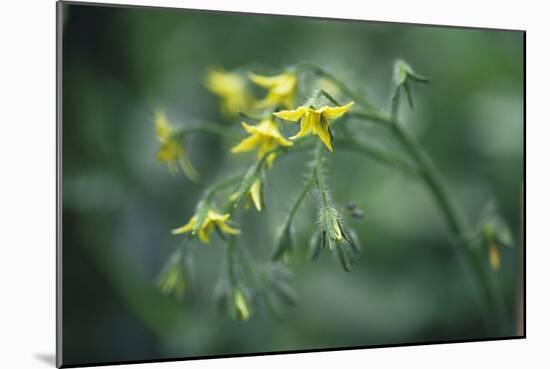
119	204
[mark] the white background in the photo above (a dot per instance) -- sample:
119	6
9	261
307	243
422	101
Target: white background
27	172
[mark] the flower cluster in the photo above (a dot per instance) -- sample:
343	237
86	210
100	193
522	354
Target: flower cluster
246	284
265	134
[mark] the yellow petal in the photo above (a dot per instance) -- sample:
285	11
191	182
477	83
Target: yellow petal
265	81
241	306
204	234
169	151
247	144
248	127
224	84
268	127
163	128
271	159
256	195
321	129
285	85
292	115
227	229
266	145
330	112
306	124
494	256
187	227
284	142
217	217
269	100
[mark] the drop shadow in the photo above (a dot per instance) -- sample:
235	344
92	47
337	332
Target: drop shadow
46	358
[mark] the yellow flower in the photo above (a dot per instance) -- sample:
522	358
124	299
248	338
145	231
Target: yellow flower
265	136
231	87
212	220
171	150
281	89
315	121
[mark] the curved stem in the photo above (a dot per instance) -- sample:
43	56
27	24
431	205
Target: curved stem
454	216
427	170
379	155
433	179
372	115
342	86
300	198
211	191
456	220
206	127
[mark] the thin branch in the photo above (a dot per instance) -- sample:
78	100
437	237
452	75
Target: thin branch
379	155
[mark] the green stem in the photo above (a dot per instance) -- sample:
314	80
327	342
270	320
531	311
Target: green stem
230	244
379	155
211	191
205	127
372	115
300	198
318	175
430	174
456	220
342	86
427	170
248	268
370	112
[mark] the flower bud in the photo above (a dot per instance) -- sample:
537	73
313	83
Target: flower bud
402	73
315	245
171	280
241	306
330	224
285	242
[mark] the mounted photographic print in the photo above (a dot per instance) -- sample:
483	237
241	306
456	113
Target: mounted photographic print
244	184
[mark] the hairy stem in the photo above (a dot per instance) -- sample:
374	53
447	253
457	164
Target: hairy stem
300	198
318	174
